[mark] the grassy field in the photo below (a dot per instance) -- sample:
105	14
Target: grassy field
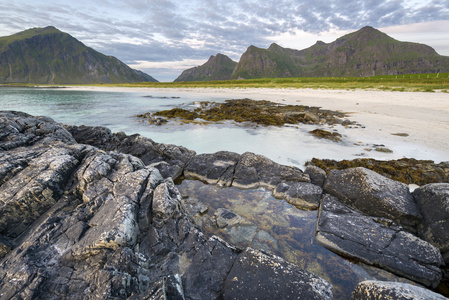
414	83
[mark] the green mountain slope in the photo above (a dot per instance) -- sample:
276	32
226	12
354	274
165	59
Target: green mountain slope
366	52
49	56
219	67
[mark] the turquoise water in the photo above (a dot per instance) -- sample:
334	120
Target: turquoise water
117	110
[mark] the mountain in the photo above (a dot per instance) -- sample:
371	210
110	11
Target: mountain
366	52
49	56
218	67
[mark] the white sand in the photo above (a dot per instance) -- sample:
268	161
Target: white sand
423	116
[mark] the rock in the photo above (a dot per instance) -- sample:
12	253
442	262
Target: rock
433	201
316	174
169	159
166	202
240	230
254	170
374	195
251	277
246	171
18	129
216	168
34	182
173	287
303	195
377	241
373	290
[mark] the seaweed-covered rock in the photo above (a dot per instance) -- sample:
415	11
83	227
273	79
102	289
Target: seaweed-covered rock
251	278
374	195
374	290
433	200
377	241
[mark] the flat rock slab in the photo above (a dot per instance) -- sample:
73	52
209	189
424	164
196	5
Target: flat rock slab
304	195
256	275
374	290
246	171
378	242
433	200
216	168
374	195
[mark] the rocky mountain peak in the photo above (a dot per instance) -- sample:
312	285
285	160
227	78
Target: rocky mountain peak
50	56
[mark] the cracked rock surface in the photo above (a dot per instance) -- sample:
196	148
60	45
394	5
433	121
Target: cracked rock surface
78	222
433	200
374	195
377	241
373	290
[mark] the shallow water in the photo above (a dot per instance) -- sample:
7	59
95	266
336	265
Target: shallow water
117	110
274	226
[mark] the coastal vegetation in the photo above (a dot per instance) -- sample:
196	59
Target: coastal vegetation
397	83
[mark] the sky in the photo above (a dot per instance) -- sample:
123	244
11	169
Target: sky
165	37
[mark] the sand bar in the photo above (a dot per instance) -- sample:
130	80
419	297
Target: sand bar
423	116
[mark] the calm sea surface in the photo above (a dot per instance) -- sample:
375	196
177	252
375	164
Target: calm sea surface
117	110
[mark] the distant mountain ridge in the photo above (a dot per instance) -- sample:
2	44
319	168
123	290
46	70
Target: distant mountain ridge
49	56
219	67
366	52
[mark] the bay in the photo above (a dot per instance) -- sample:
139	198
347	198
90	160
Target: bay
117	110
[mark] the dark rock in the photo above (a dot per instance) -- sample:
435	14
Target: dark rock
35	182
18	129
374	195
246	171
216	168
316	174
251	277
254	170
433	200
373	290
303	195
173	287
240	230
169	159
377	241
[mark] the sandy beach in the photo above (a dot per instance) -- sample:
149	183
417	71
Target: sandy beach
424	117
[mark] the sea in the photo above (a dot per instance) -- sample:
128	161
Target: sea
117	109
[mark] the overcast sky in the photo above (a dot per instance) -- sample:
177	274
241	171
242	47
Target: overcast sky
165	37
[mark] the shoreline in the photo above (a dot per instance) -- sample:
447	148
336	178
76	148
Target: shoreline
423	117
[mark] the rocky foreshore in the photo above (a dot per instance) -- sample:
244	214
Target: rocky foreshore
86	213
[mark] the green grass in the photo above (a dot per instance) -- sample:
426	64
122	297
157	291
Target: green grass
405	83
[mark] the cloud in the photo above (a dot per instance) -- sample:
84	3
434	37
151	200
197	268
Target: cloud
183	30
